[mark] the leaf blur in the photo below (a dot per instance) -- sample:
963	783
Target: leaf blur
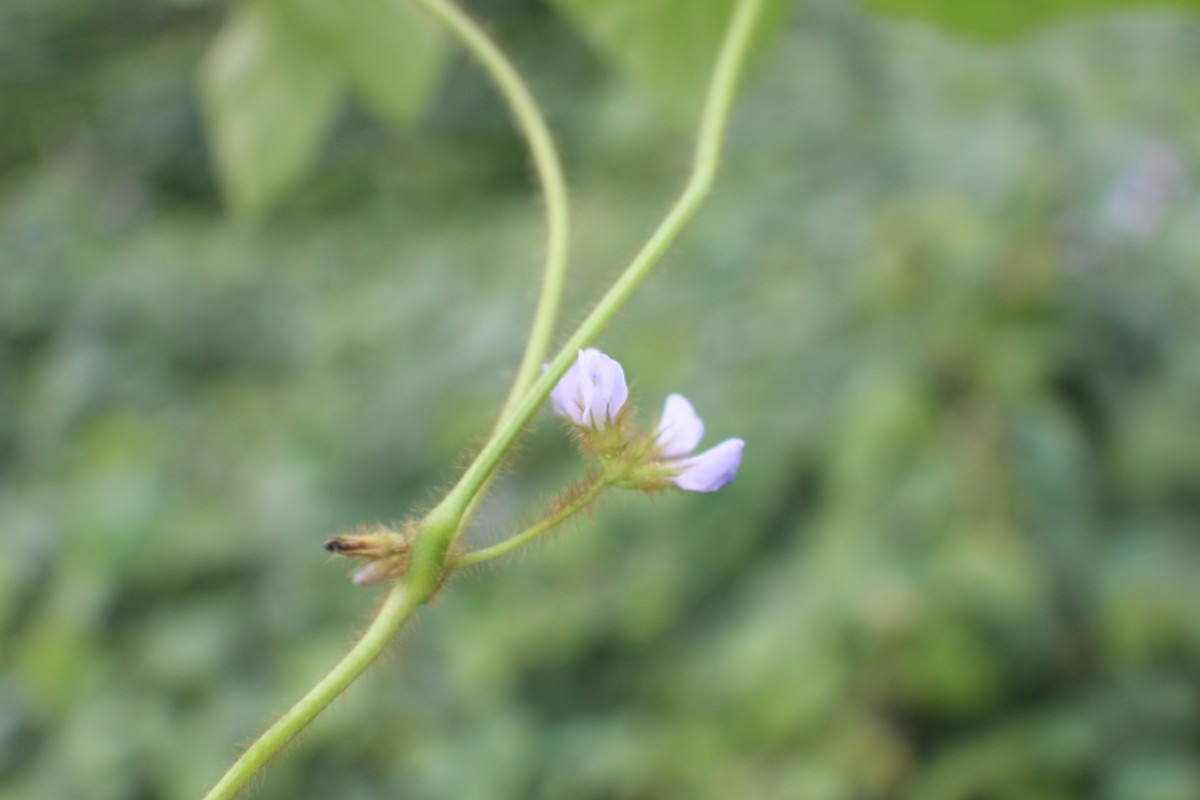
1005	18
269	97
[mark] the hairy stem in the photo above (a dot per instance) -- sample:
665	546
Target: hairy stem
546	161
402	601
564	512
397	607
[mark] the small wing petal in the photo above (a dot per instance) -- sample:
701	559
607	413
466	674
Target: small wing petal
712	469
680	429
567	397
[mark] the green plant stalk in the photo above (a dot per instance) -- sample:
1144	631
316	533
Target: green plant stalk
532	125
398	606
439	527
400	603
564	513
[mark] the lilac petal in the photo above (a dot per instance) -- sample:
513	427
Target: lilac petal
602	388
567	398
680	429
712	469
592	391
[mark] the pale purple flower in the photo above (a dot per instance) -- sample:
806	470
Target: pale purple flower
592	391
678	433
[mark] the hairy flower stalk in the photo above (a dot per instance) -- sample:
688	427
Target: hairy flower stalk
573	503
640	460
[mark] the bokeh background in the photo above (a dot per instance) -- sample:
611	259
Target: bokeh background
947	292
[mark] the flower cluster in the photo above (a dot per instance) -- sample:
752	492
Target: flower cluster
592	395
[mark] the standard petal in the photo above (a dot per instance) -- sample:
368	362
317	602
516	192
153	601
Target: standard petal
567	397
712	469
680	429
602	388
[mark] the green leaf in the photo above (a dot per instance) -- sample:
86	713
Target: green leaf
1001	18
391	50
268	98
669	46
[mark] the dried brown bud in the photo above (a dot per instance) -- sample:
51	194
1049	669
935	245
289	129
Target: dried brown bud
370	542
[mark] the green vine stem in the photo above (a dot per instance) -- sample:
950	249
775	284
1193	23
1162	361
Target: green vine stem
437	531
397	607
532	125
546	161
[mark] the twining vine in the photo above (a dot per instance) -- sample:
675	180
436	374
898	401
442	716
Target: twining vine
586	387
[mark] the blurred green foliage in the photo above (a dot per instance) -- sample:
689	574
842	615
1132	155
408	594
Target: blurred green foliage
946	292
668	46
273	76
1001	18
272	79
